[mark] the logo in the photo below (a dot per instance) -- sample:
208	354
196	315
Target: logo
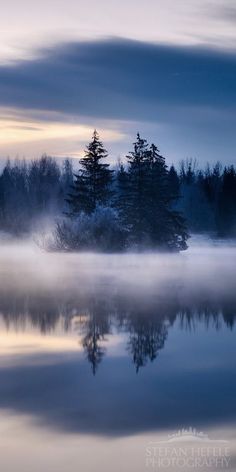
187	449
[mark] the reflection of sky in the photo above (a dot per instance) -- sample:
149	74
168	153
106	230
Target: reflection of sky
50	401
191	382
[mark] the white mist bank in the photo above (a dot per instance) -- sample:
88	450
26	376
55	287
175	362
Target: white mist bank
207	267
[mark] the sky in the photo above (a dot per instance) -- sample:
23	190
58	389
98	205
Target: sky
164	68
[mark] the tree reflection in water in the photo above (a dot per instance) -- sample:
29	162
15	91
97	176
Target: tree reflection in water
99	312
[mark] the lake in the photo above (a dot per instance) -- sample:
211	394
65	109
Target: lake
119	362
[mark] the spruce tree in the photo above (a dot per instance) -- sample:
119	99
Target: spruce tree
92	186
226	218
174	183
146	200
166	225
133	191
122	202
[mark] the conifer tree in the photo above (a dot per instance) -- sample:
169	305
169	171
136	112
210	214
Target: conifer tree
174	183
92	186
134	189
121	201
146	200
166	226
226	218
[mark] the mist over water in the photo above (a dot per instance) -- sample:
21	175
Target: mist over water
120	346
206	271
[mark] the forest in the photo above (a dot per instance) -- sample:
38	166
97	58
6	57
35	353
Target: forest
136	203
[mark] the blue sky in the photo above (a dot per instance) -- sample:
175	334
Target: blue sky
166	69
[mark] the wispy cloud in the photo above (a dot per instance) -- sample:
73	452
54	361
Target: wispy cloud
31	133
161	21
224	12
120	79
115	84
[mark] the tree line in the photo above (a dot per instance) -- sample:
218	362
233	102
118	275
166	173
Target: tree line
141	202
208	197
31	191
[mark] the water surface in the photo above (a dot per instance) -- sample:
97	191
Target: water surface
99	355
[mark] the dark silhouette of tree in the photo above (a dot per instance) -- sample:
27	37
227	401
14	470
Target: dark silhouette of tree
30	191
67	175
167	226
199	195
92	186
134	189
44	185
174	183
121	199
227	204
146	200
14	198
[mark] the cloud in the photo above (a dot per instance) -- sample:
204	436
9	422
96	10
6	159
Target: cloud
166	21
30	133
223	12
120	79
182	97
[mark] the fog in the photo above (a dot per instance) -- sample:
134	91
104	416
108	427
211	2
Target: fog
206	271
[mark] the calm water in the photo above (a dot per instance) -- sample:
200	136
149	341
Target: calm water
102	355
